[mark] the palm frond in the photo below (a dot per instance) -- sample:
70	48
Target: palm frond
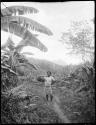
28	37
27	23
9	11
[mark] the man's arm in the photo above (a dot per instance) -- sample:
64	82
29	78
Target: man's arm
41	79
53	81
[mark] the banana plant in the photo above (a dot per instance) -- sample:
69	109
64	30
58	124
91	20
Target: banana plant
12	22
20	26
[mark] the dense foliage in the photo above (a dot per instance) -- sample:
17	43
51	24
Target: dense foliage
75	90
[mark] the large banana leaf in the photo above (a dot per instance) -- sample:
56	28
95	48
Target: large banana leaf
23	62
29	42
9	11
26	22
28	37
26	65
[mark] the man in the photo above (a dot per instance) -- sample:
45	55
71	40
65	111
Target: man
49	80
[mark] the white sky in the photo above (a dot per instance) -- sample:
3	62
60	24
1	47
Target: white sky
57	17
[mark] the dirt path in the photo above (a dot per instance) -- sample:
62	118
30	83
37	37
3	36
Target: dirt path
57	109
55	105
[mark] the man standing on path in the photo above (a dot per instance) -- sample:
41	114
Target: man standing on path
49	80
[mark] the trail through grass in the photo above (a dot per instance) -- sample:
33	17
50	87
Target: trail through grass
62	106
57	109
30	88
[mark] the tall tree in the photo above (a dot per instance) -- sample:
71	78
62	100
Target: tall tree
80	39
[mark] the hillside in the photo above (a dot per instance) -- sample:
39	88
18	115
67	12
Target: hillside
58	71
24	100
44	64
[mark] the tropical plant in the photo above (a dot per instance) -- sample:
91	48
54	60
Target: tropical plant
20	26
11	58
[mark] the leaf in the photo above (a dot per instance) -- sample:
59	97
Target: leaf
5	67
29	42
27	23
10	44
32	65
26	63
28	37
9	11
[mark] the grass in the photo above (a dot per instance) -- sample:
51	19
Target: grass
77	106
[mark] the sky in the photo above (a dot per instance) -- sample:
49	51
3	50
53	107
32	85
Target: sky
57	17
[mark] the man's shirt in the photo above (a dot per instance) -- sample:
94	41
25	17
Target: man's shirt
48	80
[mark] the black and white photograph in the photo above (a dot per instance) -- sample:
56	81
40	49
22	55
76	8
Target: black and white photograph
47	62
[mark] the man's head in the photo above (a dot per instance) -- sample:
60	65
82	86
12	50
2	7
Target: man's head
48	73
